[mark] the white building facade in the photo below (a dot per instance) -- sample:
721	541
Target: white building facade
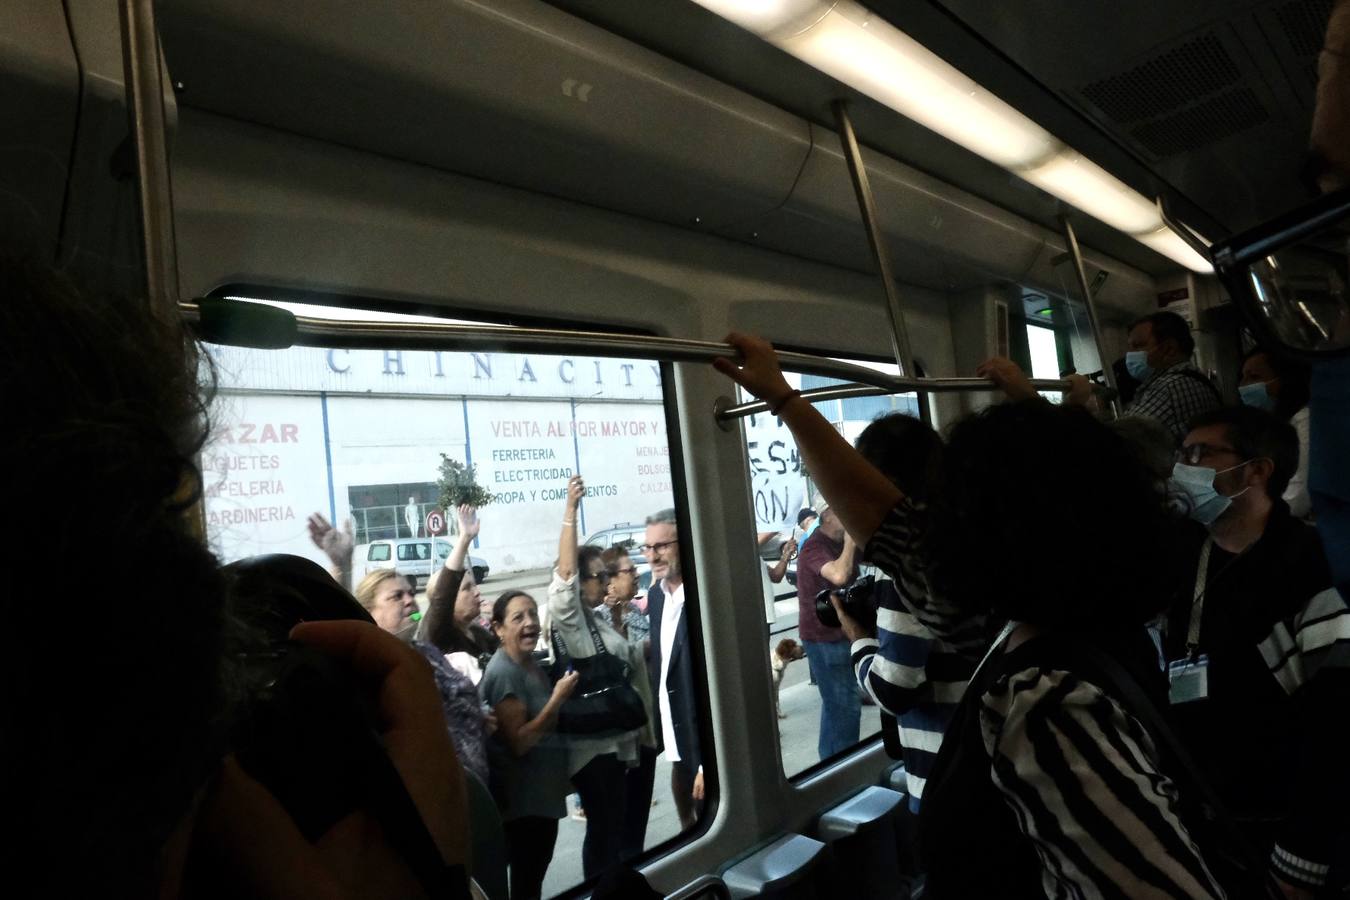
353	434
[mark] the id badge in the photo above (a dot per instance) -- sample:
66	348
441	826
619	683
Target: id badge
1189	679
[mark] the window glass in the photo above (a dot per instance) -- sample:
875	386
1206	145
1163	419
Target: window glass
364	435
1041	341
820	708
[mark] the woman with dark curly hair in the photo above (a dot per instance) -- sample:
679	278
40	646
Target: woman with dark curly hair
1052	525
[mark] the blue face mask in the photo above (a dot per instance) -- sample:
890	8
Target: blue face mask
1257	395
1136	363
1202	501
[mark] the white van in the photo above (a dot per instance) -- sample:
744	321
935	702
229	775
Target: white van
411	558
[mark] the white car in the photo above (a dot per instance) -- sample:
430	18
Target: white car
410	557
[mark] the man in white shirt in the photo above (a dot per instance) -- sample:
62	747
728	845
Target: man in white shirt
671	666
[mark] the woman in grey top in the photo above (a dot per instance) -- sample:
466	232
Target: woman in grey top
528	761
598	765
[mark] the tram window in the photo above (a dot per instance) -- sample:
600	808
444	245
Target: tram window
810	732
360	435
1044	347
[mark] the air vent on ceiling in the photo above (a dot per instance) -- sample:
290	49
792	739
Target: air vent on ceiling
1296	30
1170	80
1304	23
1218	117
1190	95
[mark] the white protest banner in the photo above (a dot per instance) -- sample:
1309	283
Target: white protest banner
778	484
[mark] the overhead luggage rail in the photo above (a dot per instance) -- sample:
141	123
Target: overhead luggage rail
242	323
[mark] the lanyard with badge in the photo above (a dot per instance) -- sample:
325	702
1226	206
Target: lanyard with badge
1188	677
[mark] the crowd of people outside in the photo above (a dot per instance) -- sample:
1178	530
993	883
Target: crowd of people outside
505	671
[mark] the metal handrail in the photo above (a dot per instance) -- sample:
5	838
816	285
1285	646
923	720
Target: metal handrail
1182	230
898	384
309	331
349	334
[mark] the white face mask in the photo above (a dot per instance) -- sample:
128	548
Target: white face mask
1136	363
1203	502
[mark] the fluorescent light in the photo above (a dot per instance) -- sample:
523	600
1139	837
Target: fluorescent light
849	43
872	56
1079	181
1169	244
764	17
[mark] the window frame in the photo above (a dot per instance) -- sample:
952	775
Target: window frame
679	485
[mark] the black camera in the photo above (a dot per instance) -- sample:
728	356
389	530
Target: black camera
859	600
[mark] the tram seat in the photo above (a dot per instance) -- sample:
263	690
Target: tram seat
906	822
861	833
792	867
487	853
706	887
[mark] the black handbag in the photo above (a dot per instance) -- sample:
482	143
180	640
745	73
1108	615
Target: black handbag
605	701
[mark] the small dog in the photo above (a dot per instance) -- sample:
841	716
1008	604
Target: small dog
786	651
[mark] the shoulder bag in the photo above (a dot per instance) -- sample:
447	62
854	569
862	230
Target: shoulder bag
605	701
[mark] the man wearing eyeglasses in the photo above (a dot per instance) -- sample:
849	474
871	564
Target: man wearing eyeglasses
671	667
1258	659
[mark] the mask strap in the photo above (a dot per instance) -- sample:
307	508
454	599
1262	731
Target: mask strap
1238	466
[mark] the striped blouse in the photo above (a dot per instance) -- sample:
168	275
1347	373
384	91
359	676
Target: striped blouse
1082	778
1080	775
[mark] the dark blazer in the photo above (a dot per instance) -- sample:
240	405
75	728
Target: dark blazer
679	682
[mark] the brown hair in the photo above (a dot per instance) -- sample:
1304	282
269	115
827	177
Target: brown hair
370	586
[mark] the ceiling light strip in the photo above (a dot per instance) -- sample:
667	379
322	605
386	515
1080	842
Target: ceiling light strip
855	46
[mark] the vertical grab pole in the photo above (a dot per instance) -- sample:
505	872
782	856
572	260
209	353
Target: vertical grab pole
1071	238
904	356
142	74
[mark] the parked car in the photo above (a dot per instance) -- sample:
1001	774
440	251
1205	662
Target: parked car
411	558
631	537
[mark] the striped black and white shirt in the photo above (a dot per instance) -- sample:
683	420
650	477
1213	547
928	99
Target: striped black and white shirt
909	671
1081	776
1085	782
